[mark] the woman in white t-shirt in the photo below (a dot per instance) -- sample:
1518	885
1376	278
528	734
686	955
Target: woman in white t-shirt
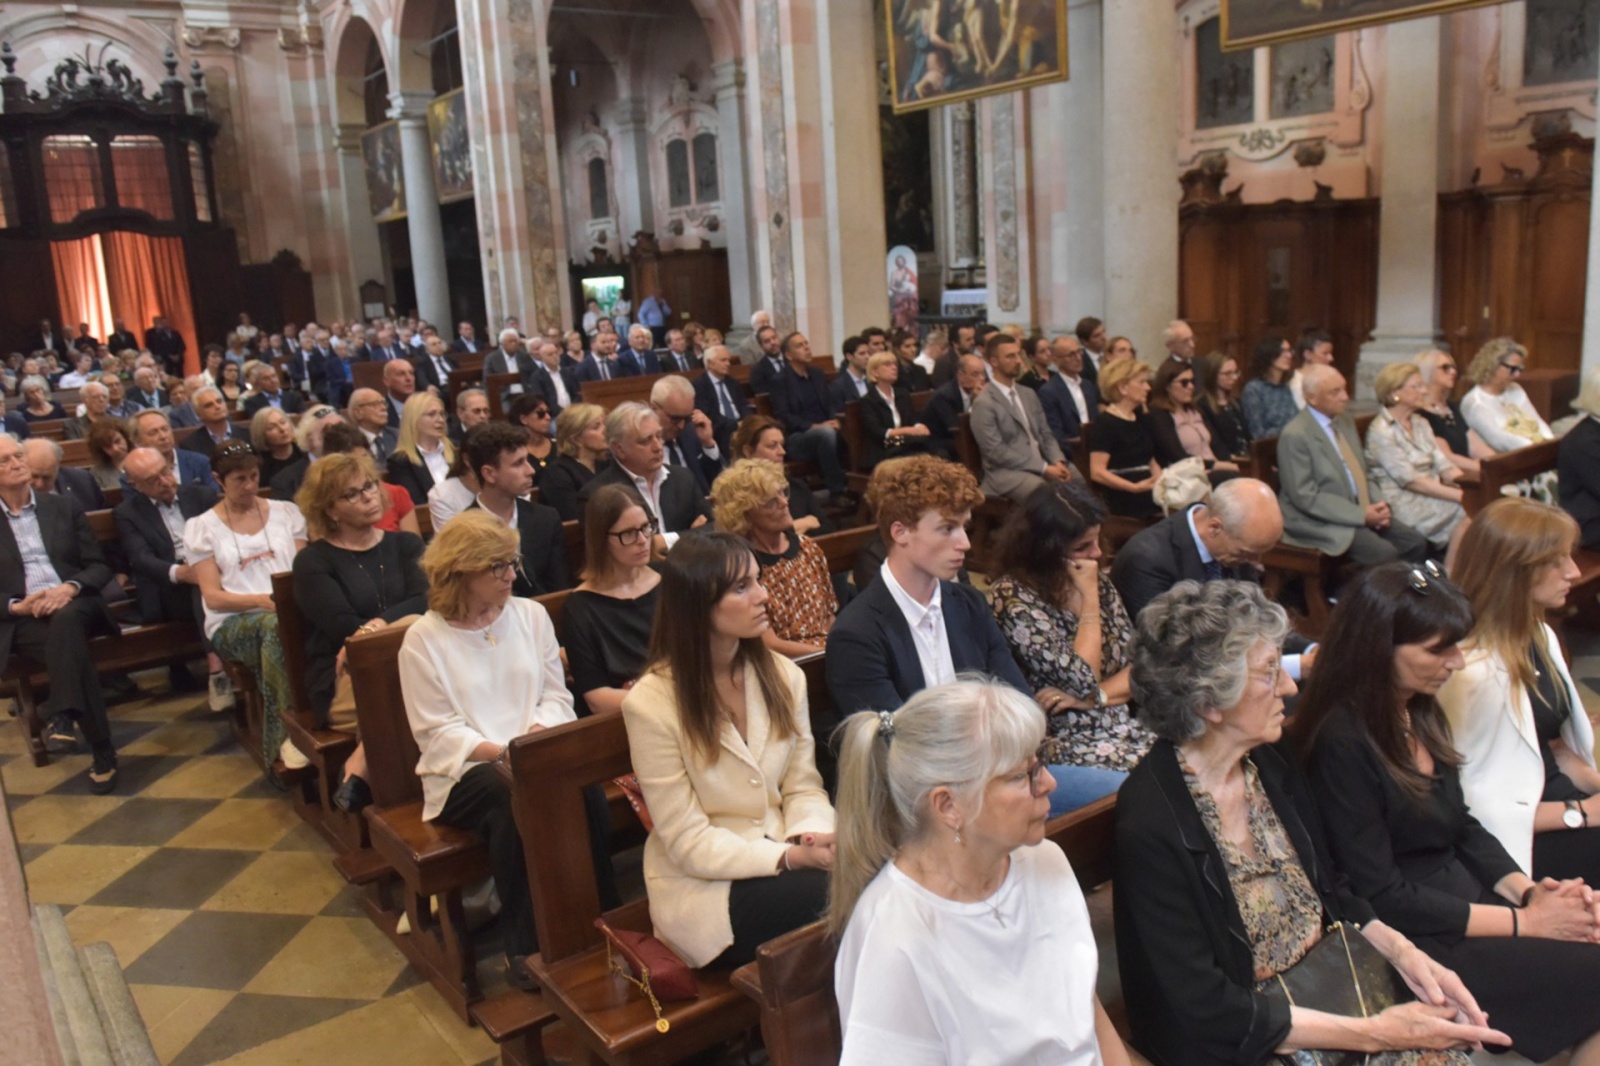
1497	409
234	549
963	934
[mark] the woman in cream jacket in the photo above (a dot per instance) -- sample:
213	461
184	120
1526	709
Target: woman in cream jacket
721	742
1515	716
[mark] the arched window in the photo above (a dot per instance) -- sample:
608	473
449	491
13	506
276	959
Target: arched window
72	175
679	191
599	195
707	189
8	195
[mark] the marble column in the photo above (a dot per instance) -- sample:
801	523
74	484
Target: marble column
1408	187
635	196
963	214
1008	223
728	85
428	271
364	261
1069	196
1141	89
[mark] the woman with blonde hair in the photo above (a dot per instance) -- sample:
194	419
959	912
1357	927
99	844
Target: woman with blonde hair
1122	452
751	500
1407	465
761	437
1578	462
941	827
1497	408
480	669
272	436
423	453
1450	431
888	422
1515	715
581	446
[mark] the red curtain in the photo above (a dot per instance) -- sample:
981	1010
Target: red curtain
82	286
72	175
128	276
139	164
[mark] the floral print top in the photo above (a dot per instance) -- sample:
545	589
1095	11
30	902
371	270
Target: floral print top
1041	637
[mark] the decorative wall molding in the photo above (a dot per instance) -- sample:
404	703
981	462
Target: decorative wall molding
1509	106
775	161
205	38
1003	187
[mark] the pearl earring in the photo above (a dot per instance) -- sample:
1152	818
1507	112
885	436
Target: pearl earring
958	834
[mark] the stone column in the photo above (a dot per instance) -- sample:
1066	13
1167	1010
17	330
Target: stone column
964	248
410	112
635	196
1008	243
1140	86
728	83
365	258
1408	185
1070	198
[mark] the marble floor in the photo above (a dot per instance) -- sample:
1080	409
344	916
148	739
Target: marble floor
239	940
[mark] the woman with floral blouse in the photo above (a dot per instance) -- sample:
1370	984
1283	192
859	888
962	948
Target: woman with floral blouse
1070	633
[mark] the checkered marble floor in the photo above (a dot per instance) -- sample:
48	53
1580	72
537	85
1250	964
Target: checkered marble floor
240	942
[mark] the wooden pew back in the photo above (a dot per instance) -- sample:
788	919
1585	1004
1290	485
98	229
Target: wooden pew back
498	387
292	635
1499	471
392	752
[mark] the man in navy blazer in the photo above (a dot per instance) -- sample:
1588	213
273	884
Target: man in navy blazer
720	396
602	364
800	403
770	365
687	434
875	660
146	520
1059	395
639	354
151	429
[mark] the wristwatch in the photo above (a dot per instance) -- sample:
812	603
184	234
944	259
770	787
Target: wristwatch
1575	817
1099	699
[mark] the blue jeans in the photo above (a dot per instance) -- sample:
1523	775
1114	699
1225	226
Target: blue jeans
1079	786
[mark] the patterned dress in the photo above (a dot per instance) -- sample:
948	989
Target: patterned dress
1282	913
1041	637
1398	454
802	604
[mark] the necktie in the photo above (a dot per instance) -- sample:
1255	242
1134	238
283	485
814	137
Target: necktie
1358	473
729	411
675	454
1213	570
1016	405
605	370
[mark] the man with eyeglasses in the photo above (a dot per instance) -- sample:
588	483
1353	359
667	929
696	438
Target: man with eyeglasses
51	572
1070	399
150	521
497	452
370	412
559	384
696	452
638	461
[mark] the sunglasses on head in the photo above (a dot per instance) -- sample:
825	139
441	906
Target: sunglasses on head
1423	578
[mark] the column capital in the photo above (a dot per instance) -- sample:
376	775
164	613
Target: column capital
409	105
631	114
727	77
347	136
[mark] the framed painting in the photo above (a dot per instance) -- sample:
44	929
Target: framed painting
452	146
386	189
1251	23
941	51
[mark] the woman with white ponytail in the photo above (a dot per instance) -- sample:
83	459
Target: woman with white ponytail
963	934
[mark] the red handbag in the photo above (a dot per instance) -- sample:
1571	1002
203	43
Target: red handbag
650	966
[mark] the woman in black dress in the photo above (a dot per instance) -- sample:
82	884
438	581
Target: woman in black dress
1219	402
1178	426
1443	413
581	442
532	412
888	425
351	578
606	620
1122	452
1387	781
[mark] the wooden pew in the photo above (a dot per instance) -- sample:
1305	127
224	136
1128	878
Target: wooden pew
988	516
432	861
465	378
499	387
609	394
366	375
137	647
572	535
327	749
608	1018
842	547
1500	471
75	453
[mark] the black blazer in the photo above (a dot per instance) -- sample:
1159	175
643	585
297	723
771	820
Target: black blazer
148	545
560	485
544	550
1578	467
842	390
137	399
681	499
428	377
415	478
704	468
876	420
73	551
796	400
122	340
292	402
459	346
1188	976
79	486
707	400
286	483
943	415
764	373
669	361
872	659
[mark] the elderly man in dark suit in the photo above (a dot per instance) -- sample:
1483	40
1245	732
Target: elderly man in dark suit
638	461
51	572
215	427
434	366
271	393
950	401
639	355
720	396
44	465
1070	399
151	429
678	359
687	434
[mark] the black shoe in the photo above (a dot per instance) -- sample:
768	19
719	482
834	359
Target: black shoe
518	975
119	687
352	795
61	736
181	680
103	775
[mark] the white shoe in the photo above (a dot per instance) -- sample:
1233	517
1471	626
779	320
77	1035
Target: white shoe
292	757
221	691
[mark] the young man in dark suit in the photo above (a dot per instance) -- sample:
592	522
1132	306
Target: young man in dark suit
497	453
771	363
51	573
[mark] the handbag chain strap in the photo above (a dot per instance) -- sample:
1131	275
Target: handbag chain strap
1361	999
642	983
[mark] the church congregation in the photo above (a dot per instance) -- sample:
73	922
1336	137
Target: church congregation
1112	598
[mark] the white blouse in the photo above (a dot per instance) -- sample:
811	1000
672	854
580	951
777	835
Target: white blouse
246	561
462	687
437	464
447	499
922	979
1505	422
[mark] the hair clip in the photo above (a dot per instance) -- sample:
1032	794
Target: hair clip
1422	578
886	725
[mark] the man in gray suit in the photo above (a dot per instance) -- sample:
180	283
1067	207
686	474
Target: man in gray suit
1019	452
1329	502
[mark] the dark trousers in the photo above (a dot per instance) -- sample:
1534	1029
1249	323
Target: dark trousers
763	908
61	642
177	603
481	803
1371	548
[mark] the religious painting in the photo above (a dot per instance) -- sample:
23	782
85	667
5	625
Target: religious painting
941	51
386	189
452	146
1559	45
1249	23
1302	77
904	301
1225	82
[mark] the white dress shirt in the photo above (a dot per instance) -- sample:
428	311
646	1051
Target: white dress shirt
927	630
650	491
1075	386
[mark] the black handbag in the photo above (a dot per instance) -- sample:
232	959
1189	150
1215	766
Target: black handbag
1344	975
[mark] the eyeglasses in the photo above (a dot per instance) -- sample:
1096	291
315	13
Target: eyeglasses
679	421
358	492
1271	674
1423	578
1034	775
505	567
1184	383
1513	368
541	412
629	537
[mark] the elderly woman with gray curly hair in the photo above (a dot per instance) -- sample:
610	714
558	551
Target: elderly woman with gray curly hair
1222	874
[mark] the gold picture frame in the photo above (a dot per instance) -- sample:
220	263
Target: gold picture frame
451	146
1254	23
945	51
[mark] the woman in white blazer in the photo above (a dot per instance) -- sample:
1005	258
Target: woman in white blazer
1515	716
721	741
